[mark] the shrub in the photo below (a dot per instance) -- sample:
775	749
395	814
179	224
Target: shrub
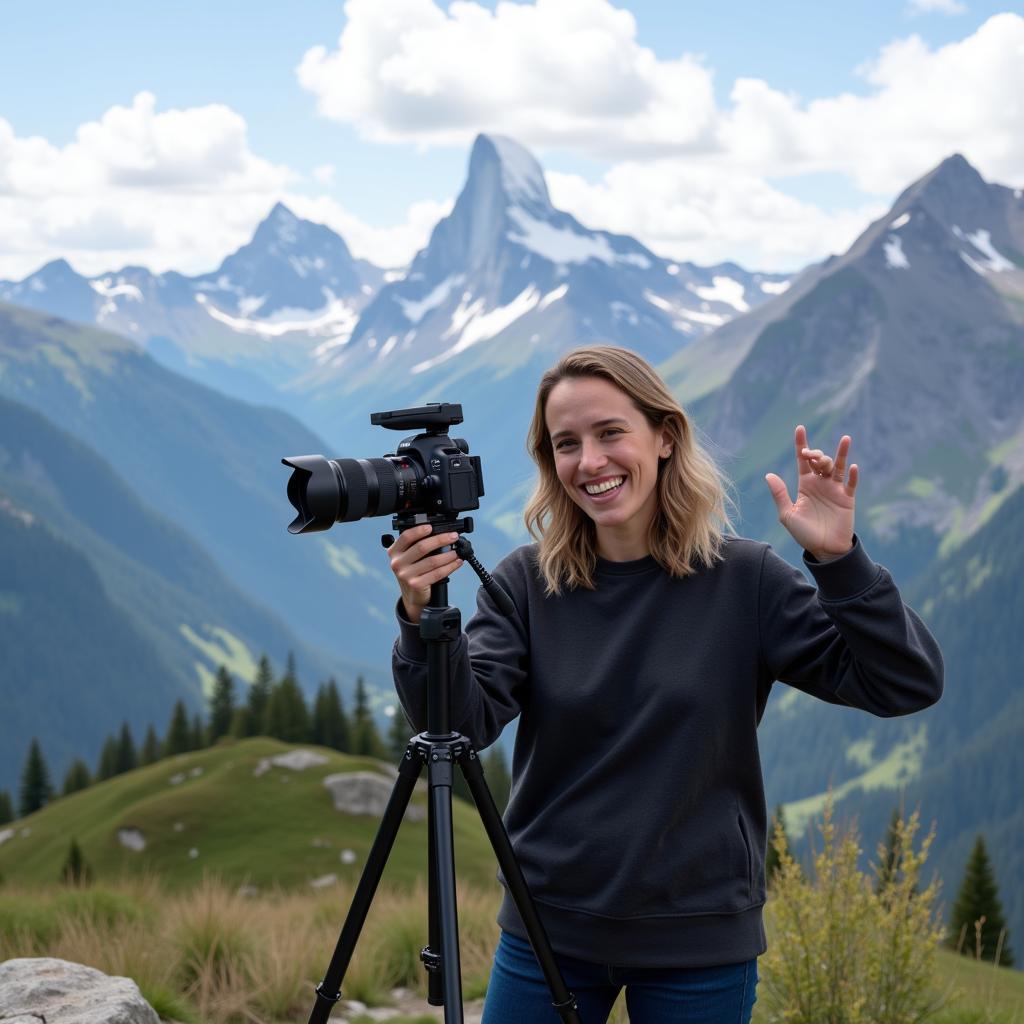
840	953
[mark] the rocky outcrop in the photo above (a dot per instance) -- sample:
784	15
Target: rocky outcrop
44	990
365	793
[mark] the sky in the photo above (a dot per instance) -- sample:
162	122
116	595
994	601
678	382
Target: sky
767	134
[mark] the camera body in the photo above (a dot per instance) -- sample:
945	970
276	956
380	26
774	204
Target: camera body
431	477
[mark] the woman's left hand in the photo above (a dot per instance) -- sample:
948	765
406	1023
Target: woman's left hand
821	518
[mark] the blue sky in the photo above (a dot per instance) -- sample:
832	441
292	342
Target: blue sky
71	64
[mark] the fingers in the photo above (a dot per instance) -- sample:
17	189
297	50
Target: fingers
814	460
415	558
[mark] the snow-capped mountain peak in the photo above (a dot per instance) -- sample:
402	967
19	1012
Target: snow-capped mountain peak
522	178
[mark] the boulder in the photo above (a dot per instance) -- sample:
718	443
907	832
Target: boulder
366	793
43	989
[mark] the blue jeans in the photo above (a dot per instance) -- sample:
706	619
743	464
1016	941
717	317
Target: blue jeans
517	993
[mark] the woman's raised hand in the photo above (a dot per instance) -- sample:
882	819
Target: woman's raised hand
821	518
416	566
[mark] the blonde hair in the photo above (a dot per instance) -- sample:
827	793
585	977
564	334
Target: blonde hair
689	526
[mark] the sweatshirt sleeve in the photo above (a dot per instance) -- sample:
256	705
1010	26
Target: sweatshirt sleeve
852	641
489	667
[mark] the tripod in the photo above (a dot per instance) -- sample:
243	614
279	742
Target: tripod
440	749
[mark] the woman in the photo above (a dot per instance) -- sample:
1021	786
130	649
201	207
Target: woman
645	642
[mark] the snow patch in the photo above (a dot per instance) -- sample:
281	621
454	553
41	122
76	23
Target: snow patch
387	347
723	289
638	259
657	300
712	319
473	325
36	285
553	296
249	304
108	289
558	245
336	318
393	275
899	222
895	257
774	287
994	261
414	309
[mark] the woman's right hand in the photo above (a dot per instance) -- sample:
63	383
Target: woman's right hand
416	566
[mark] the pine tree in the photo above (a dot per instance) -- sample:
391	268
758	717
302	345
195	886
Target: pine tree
239	722
197	733
366	740
222	704
127	758
776	828
259	695
36	791
178	739
150	747
107	767
6	810
399	732
287	717
499	782
75	871
77	777
330	726
891	858
977	918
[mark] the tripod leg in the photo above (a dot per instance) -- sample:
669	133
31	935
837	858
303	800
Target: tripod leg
430	956
328	992
440	769
564	1001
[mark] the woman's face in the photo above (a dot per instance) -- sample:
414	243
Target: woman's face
606	456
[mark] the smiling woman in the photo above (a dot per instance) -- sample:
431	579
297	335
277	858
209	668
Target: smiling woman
644	644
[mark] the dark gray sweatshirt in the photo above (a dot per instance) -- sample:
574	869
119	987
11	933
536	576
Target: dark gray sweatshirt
637	810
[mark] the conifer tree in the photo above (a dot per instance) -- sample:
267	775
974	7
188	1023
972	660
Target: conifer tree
127	758
179	738
259	695
499	781
222	704
75	870
287	717
399	732
77	777
977	914
6	810
366	740
239	722
197	733
891	856
777	827
150	747
107	767
36	791
330	726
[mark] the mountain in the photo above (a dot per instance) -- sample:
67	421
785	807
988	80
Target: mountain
507	279
212	466
245	328
101	593
911	343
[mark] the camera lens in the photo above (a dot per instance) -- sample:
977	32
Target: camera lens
328	491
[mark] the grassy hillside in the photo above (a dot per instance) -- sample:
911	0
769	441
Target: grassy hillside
276	829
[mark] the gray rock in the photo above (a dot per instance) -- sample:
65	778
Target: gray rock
365	793
33	990
296	760
132	838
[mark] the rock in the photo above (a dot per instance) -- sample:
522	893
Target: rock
296	760
131	838
348	856
193	853
45	989
365	793
178	826
177	778
323	881
5	834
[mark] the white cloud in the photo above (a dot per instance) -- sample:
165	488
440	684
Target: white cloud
941	6
174	189
709	215
570	74
565	72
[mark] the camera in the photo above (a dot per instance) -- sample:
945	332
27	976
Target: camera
431	477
